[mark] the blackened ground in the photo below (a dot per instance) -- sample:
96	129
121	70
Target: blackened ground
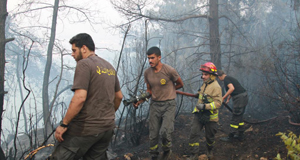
260	142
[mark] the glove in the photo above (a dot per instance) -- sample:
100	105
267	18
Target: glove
200	106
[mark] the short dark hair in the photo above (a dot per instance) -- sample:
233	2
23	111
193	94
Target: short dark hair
220	72
154	50
83	39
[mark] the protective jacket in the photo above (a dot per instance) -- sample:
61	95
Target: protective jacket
211	95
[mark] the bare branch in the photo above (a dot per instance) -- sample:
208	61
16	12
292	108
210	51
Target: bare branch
176	20
125	35
25	64
9	39
237	28
34	9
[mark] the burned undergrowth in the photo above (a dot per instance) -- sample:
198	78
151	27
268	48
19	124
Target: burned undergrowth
261	141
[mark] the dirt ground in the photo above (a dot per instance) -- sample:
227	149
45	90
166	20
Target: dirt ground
260	143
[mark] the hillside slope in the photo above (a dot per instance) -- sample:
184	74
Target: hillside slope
260	141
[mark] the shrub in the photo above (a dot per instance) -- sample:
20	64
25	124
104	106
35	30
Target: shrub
292	143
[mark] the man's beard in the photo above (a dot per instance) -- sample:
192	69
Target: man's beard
153	65
79	57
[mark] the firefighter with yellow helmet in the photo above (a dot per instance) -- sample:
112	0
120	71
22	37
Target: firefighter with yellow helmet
206	111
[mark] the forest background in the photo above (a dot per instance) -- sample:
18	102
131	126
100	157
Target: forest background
255	41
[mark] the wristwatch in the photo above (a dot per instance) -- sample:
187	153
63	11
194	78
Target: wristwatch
61	123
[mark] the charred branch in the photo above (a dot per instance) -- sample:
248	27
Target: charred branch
9	39
2	93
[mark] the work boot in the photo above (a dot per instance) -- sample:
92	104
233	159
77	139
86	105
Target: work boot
194	157
166	155
241	136
210	154
227	139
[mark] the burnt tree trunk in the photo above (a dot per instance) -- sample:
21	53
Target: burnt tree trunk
3	41
215	48
46	109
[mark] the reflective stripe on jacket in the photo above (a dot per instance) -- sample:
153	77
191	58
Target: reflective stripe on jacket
214	97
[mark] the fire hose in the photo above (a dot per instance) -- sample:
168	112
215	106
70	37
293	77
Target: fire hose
186	94
195	95
228	107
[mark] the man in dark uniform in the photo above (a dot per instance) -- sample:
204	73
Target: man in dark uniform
239	97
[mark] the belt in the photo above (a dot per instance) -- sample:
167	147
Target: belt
239	94
164	100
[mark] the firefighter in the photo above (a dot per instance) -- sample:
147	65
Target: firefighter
238	94
206	111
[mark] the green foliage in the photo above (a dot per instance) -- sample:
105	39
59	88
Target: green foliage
292	143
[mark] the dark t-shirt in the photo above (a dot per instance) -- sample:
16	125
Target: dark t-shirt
99	79
162	82
238	89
